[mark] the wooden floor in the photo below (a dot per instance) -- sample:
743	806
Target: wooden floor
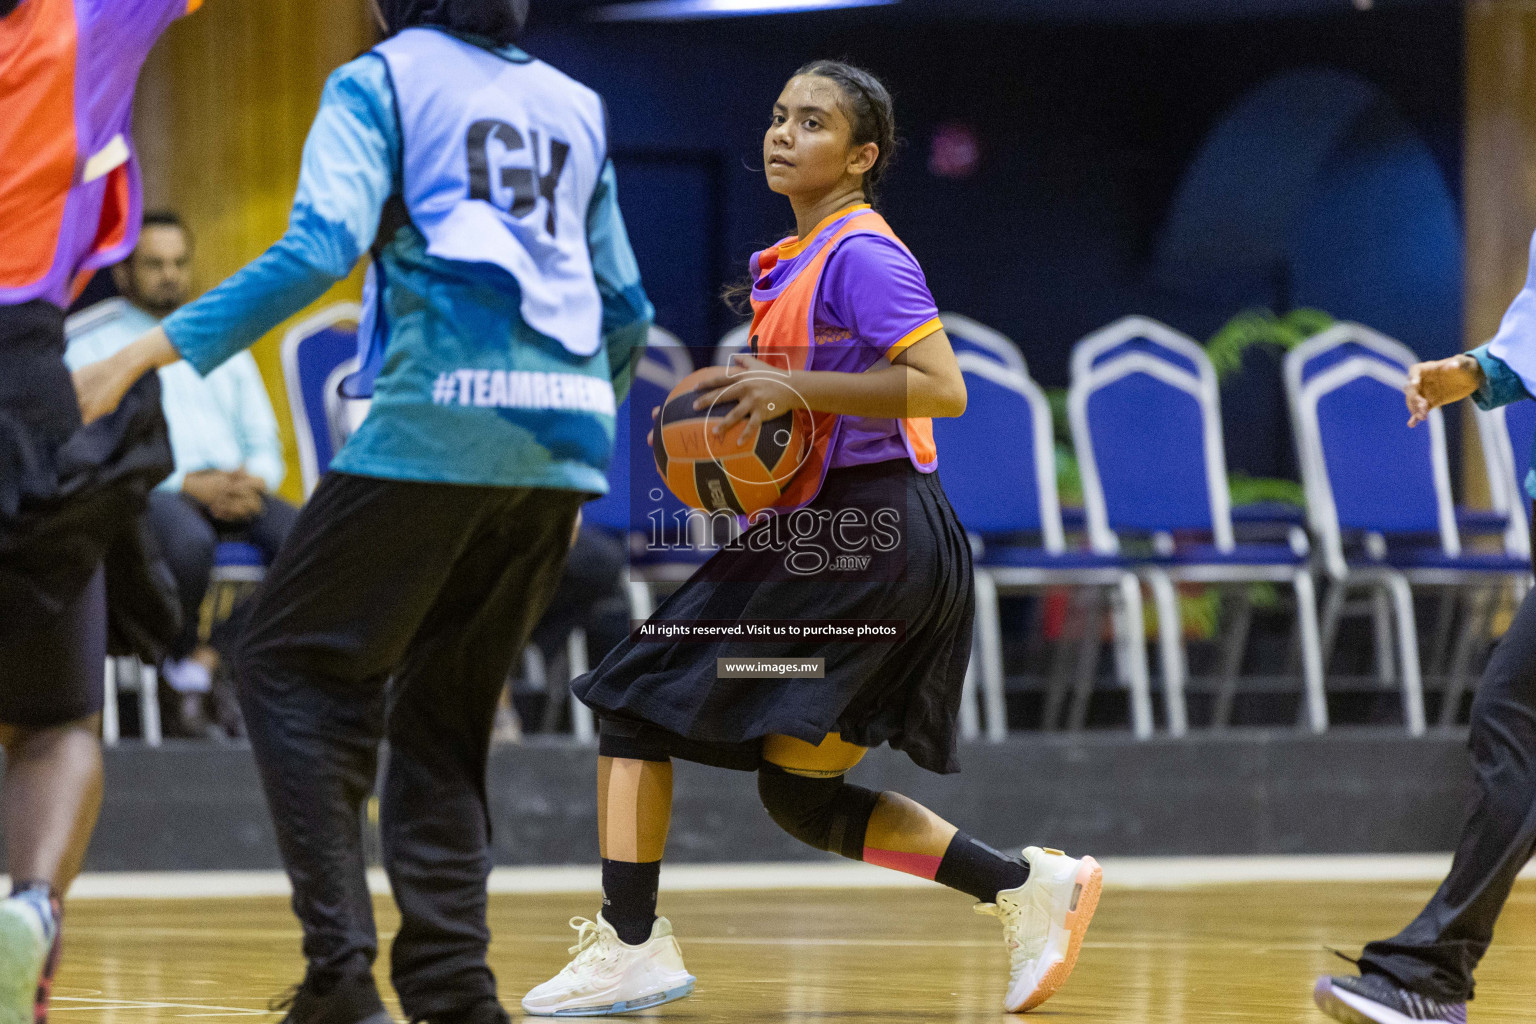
1223	953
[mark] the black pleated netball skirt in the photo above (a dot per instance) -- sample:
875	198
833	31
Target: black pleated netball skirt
886	548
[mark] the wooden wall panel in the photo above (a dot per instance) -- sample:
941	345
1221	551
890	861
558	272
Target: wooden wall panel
1499	174
223	109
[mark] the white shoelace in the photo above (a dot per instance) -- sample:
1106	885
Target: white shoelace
590	948
1011	925
1020	950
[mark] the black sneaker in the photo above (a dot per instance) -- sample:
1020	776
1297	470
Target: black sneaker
487	1011
1374	999
352	1000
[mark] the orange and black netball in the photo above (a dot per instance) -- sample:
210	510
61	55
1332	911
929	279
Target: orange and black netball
742	471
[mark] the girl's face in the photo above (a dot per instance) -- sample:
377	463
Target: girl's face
808	148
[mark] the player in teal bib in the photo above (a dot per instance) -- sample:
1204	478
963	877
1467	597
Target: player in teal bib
502	316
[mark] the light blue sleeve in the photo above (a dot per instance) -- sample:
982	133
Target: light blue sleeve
627	313
259	442
173	482
349	170
90	347
1501	385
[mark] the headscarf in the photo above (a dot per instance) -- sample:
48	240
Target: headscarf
498	20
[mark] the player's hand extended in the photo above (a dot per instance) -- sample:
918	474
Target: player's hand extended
1440	382
760	390
100	387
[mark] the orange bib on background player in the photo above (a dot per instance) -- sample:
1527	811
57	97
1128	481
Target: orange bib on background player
784	329
70	193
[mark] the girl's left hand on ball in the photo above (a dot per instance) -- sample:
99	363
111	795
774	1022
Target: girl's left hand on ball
760	390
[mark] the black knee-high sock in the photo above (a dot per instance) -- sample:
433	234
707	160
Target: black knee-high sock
973	867
629	898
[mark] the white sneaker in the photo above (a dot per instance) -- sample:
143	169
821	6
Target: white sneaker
27	928
609	977
1043	923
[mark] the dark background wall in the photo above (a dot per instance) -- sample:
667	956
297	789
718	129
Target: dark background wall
1086	133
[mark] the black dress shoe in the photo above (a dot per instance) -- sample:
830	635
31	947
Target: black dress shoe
487	1011
353	999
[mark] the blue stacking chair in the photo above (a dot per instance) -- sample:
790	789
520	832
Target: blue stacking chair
1146	423
999	469
1379	494
1506	434
966	335
317	353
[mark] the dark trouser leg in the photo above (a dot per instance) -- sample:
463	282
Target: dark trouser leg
267	531
588	592
364	563
435	822
1437	953
187	539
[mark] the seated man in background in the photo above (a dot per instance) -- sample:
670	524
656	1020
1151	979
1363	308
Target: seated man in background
224	437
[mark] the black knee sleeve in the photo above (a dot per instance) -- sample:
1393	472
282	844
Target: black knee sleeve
826	813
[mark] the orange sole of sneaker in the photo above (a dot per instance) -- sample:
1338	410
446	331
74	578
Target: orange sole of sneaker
1090	881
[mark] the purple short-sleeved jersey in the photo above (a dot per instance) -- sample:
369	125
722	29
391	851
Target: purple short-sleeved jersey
873	303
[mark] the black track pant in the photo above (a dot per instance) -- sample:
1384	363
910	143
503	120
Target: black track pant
395	610
1437	953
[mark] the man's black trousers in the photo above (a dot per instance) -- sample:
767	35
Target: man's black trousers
394	611
1437	953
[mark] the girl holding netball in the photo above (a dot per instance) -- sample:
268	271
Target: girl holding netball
844	308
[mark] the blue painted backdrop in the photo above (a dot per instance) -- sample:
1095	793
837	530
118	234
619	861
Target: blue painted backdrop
1183	171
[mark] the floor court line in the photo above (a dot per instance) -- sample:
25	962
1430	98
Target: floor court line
1119	872
1179	954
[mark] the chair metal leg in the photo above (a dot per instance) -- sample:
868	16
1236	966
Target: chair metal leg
1316	697
557	672
990	634
1089	653
1439	647
583	727
110	733
1479	607
1131	630
1121	649
1071	652
533	667
1234	645
1170	643
1408	648
1059	679
640	603
1381	618
970	711
149	704
1333	608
